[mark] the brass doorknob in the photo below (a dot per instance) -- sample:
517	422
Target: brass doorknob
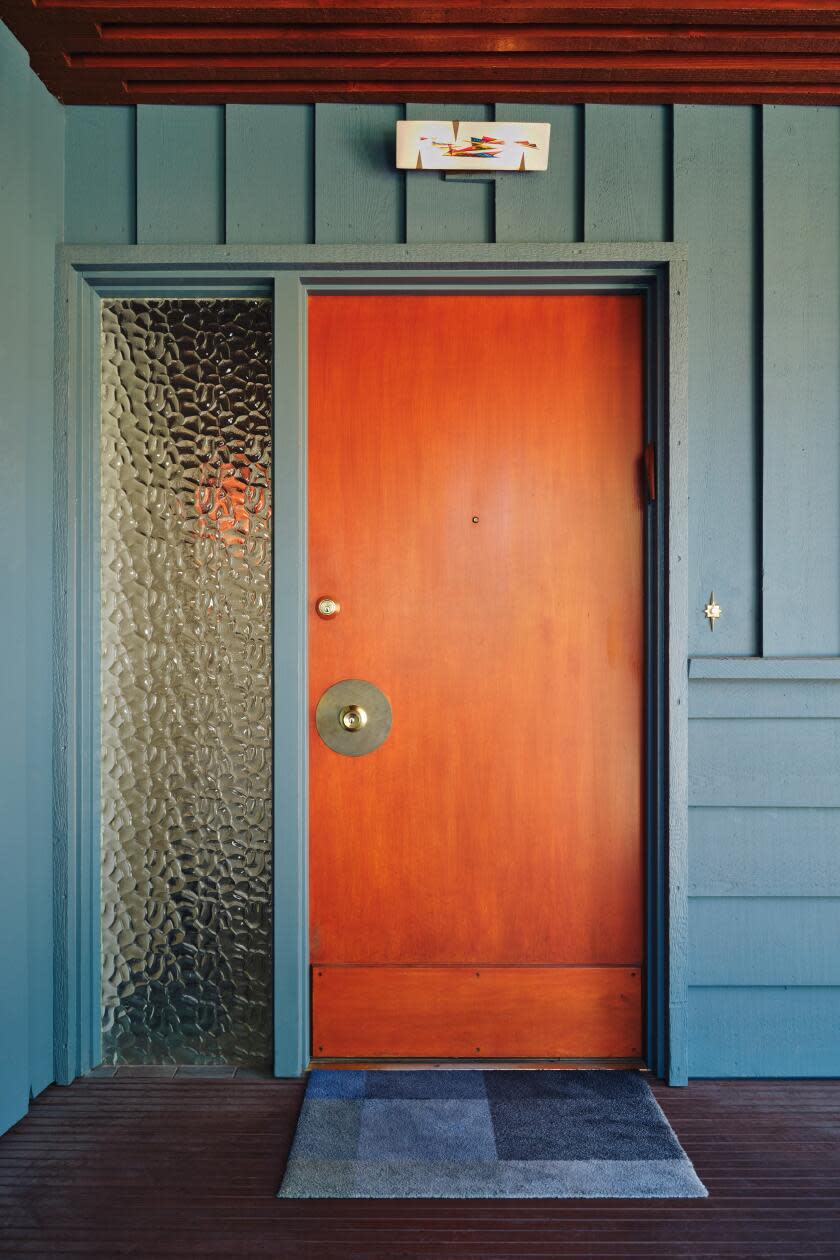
353	717
328	607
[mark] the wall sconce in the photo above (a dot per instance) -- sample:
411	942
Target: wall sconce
472	146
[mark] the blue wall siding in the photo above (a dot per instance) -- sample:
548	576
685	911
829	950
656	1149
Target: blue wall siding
31	165
764	873
716	213
753	193
467	214
270	174
801	380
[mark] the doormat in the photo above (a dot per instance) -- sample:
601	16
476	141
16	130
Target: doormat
531	1134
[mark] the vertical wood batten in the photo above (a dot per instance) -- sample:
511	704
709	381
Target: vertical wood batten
269	178
14	406
31	214
99	190
715	149
290	671
627	172
443	212
544	206
180	174
46	196
359	197
801	465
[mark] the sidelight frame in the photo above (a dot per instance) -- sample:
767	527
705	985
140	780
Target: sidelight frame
288	274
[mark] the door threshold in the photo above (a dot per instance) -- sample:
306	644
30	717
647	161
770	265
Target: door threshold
560	1065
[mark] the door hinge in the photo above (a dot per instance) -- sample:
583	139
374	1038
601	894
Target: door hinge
650	471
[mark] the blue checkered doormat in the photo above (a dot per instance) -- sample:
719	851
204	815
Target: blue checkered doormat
485	1135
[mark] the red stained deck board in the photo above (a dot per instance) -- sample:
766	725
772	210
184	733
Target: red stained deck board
190	1168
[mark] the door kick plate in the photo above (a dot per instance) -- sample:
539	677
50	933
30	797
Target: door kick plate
353	717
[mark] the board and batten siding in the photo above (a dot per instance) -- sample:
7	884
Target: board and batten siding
754	194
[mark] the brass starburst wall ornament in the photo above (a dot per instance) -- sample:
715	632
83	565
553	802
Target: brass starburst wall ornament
712	610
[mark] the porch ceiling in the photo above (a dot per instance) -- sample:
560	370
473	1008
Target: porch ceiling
200	51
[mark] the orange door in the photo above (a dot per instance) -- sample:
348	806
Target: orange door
476	883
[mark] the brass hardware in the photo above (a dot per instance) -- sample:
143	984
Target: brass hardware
650	471
475	520
353	717
328	607
712	610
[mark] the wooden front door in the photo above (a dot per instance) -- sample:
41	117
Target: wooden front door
476	882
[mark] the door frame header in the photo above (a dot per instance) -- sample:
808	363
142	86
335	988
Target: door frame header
86	274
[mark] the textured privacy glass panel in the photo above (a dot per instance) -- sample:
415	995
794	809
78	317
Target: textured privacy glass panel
186	681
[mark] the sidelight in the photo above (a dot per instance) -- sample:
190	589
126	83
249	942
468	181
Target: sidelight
186	737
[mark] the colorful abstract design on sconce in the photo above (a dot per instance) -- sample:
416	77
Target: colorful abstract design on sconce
479	146
424	146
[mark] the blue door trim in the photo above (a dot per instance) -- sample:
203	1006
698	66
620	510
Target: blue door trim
289	274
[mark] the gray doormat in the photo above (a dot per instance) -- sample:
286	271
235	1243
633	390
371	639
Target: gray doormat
464	1134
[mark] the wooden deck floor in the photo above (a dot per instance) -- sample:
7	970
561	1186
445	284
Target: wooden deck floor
189	1167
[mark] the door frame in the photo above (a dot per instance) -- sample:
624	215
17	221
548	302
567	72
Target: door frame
288	274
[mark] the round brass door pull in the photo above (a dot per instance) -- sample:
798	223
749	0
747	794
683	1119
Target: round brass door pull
353	717
327	607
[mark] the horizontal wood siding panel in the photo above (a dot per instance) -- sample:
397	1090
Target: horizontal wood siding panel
764	1032
548	206
755	762
764	853
270	176
100	189
764	940
627	170
774	699
764	668
801	468
716	148
180	174
359	196
444	211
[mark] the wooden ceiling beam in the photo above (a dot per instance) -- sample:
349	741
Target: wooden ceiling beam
130	92
451	68
513	12
302	50
479	90
206	37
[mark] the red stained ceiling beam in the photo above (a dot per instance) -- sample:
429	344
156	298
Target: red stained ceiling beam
168	92
262	50
555	68
205	37
746	12
474	90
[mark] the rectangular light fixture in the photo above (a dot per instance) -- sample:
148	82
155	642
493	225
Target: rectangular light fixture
472	146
